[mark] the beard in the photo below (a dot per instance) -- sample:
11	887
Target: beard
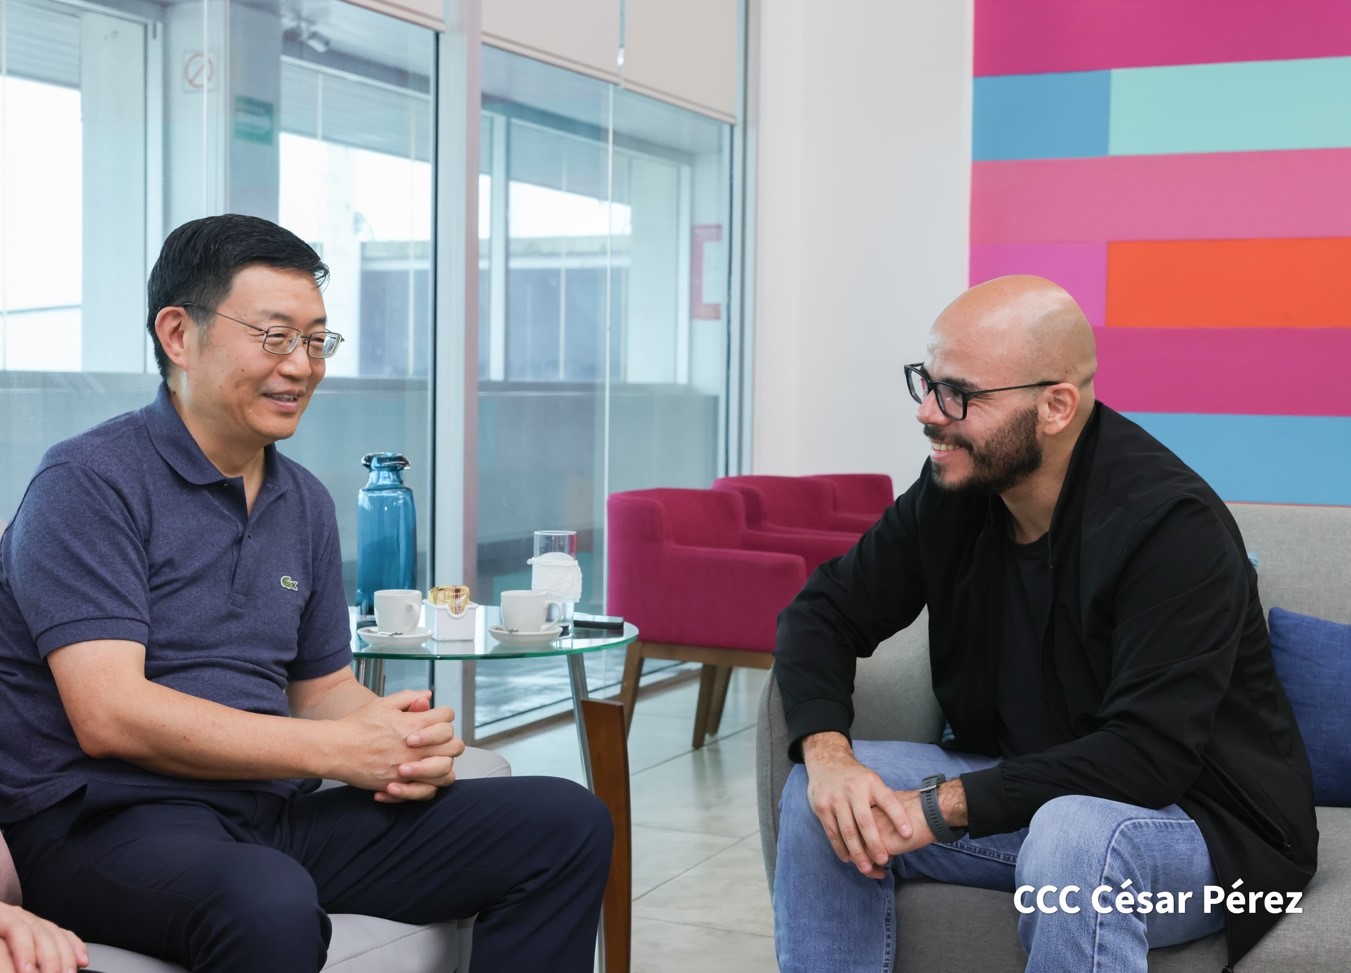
1010	454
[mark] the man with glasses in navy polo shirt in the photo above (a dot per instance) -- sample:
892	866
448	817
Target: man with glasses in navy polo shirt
175	671
1098	649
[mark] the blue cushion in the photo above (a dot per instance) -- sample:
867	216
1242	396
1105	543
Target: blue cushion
1313	661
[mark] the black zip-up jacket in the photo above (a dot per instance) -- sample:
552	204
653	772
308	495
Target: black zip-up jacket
1156	662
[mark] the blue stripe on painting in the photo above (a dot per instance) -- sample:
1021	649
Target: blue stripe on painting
1239	107
1041	116
1263	459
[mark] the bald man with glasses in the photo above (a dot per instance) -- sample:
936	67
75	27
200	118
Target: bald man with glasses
1100	655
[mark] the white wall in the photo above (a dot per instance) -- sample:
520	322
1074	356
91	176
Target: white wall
863	138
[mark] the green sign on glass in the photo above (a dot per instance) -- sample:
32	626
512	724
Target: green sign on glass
254	120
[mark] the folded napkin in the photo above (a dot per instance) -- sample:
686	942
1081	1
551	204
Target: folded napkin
557	573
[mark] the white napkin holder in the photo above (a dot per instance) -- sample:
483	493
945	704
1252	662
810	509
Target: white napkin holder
447	627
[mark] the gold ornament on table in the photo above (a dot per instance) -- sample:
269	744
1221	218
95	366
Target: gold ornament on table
453	597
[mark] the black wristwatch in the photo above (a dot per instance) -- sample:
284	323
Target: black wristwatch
928	799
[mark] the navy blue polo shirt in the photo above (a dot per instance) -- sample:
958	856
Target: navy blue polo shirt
127	531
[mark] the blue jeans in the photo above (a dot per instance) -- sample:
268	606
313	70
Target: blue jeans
830	917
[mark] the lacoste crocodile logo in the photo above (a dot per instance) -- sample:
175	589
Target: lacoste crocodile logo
289	583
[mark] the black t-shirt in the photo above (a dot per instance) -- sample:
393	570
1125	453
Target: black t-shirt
1026	723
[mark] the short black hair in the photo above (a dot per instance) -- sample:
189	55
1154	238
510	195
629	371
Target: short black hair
199	260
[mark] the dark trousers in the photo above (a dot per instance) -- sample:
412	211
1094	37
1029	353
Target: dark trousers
230	881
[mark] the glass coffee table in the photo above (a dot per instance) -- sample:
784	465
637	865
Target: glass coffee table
370	660
370	668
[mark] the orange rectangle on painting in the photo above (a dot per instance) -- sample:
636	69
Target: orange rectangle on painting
1285	283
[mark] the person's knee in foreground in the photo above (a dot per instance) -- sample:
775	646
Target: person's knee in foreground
174	646
1099	653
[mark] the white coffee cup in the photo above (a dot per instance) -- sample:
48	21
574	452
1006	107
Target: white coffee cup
528	610
397	610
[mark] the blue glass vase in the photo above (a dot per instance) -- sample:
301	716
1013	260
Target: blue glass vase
386	530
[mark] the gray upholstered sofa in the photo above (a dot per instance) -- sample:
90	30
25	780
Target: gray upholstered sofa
1304	566
360	944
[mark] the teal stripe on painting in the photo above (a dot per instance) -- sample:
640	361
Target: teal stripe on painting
1240	107
1041	116
1264	459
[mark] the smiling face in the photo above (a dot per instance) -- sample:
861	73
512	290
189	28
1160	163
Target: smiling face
235	397
1016	442
982	341
996	446
986	462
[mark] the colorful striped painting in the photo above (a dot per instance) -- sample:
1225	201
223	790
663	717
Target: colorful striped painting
1184	170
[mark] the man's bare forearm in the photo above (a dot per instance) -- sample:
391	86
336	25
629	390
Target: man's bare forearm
173	733
329	697
827	745
117	713
952	802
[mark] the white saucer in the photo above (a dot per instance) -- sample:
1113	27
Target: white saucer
522	639
387	640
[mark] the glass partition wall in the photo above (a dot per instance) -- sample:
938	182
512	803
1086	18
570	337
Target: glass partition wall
604	225
123	120
603	327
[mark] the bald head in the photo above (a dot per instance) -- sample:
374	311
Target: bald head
1020	329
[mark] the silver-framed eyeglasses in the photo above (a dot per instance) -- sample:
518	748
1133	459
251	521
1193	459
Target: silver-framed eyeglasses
951	400
280	339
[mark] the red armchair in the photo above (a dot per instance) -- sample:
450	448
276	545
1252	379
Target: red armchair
793	503
859	493
679	570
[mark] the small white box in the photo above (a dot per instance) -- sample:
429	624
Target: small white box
451	628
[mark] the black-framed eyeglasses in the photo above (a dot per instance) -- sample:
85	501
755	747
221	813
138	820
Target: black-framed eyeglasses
951	400
282	340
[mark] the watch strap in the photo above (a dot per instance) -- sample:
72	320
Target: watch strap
928	800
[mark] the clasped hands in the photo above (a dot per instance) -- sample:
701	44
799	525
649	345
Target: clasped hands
866	822
405	748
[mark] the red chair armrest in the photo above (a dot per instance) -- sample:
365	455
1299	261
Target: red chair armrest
812	546
720	597
850	522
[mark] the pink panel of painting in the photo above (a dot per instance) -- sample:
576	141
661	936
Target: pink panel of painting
1080	268
1283	372
1039	36
1205	196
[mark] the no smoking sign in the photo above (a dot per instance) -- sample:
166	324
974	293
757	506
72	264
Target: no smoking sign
199	71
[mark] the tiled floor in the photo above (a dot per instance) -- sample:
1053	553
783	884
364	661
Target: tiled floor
700	900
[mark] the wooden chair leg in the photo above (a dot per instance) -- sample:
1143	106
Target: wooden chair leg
720	683
606	731
628	687
707	675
